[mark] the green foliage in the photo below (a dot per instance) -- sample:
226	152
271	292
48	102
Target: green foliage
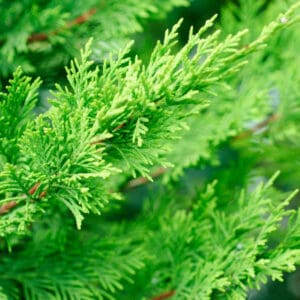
206	250
16	107
49	266
40	28
115	120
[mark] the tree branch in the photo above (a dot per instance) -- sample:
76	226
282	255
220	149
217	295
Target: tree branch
79	20
5	208
247	133
134	183
164	296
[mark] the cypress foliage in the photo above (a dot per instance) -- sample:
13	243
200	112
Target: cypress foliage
211	122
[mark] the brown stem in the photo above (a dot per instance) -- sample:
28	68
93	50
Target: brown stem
143	180
164	296
37	37
83	18
42	194
5	208
34	188
261	125
114	130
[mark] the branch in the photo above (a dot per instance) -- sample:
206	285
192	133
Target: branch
143	180
134	183
160	171
79	20
5	208
257	127
164	296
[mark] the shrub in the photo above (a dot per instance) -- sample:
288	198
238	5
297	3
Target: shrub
210	121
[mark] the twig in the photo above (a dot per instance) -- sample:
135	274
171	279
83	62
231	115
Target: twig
5	208
37	37
164	296
257	127
34	188
114	130
143	180
83	18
